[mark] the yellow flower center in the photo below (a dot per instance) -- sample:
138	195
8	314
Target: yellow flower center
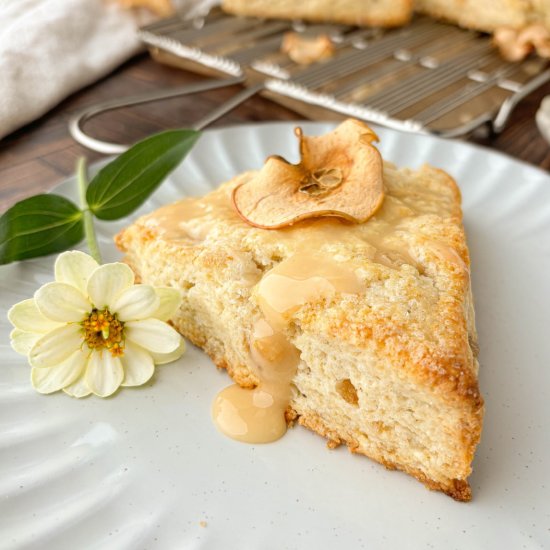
102	329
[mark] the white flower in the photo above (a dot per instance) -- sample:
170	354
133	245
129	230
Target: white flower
93	329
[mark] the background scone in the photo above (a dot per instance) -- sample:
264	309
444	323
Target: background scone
384	13
389	370
484	16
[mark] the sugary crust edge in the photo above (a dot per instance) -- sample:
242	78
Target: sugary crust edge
459	489
241	8
464	20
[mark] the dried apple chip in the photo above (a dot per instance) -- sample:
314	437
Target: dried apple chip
339	174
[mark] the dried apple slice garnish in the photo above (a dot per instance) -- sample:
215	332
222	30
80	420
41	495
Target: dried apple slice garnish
339	174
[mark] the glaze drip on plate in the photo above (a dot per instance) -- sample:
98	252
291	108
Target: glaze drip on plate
258	415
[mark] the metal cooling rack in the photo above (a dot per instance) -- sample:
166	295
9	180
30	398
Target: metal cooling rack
427	77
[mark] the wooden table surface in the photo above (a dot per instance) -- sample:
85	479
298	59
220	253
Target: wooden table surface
42	154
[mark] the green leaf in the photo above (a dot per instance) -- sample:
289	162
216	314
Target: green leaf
38	226
124	184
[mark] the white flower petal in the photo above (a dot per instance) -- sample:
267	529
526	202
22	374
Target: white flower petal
153	335
136	302
55	378
22	342
138	365
74	268
107	282
78	388
170	300
162	358
62	302
104	373
26	316
54	347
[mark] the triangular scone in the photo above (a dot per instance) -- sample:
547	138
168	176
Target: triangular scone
388	368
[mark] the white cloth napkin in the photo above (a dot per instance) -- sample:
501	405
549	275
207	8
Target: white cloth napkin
51	48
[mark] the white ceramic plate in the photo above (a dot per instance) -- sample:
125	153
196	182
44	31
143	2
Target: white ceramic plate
543	118
144	469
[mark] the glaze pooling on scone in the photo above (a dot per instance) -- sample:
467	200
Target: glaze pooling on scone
258	415
182	220
303	277
381	238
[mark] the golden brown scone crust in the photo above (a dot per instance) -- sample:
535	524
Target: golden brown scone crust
472	14
488	16
385	13
408	345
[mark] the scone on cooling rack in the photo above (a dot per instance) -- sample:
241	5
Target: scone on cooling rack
383	13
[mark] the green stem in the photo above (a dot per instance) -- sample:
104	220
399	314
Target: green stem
89	230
